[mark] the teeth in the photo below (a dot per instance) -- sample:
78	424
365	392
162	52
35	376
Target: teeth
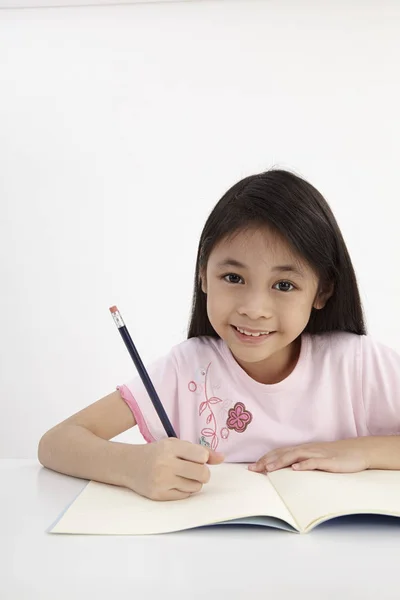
252	334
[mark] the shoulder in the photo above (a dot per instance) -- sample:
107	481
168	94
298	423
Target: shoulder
335	349
337	343
379	356
344	345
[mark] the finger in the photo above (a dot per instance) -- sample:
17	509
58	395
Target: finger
295	456
215	458
187	486
271	457
320	464
191	470
192	452
199	454
285	460
175	495
258	467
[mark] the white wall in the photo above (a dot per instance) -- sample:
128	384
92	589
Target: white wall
122	126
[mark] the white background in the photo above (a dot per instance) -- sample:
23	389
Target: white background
52	3
121	127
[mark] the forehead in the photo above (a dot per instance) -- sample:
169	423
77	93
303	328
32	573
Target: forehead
256	245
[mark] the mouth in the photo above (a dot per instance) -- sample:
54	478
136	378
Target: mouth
252	337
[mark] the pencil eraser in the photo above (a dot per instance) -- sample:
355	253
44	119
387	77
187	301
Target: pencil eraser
113	309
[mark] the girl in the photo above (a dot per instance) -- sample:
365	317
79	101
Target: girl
277	370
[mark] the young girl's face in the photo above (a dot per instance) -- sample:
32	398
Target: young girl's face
261	294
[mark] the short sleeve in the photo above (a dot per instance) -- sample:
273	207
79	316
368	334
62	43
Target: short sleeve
163	374
380	374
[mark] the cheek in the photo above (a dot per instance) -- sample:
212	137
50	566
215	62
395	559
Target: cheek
293	314
219	306
304	304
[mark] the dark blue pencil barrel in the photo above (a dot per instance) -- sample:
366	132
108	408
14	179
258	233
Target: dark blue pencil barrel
147	381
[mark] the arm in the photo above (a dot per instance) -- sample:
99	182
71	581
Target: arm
343	456
79	445
170	469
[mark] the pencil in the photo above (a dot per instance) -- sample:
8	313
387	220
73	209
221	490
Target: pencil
142	372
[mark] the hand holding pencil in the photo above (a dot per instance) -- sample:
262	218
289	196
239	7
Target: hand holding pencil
170	469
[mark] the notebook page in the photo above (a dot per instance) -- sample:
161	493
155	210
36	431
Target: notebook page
314	496
233	492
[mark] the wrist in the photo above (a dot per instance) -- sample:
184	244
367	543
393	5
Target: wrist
382	452
128	458
369	444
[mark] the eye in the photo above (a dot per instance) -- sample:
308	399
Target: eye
230	275
286	283
233	275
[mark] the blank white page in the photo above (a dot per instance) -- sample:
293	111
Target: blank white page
233	492
314	496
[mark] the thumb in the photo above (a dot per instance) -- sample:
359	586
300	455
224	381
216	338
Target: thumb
215	458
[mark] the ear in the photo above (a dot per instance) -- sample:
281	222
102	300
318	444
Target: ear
323	296
203	282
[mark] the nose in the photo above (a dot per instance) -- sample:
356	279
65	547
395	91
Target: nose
256	306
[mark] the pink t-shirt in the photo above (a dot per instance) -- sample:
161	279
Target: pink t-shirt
344	385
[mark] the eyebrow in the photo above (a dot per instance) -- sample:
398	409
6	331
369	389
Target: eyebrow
232	262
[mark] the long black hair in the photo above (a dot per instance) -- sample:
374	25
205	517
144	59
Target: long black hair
291	206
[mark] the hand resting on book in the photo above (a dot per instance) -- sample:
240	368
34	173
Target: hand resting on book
343	456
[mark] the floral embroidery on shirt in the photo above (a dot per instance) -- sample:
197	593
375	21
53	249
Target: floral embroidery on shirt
208	435
239	418
224	433
192	385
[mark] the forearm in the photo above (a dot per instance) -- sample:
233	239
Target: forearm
383	451
74	450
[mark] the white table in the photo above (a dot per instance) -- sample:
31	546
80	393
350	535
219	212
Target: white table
358	559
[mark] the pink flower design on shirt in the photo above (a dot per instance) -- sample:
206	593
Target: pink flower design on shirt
238	418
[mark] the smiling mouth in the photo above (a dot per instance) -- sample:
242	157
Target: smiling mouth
251	334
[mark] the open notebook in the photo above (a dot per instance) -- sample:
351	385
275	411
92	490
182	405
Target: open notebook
285	499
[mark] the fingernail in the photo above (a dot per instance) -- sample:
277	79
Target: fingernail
296	466
253	467
270	466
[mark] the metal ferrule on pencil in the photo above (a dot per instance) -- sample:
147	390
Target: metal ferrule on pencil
118	319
